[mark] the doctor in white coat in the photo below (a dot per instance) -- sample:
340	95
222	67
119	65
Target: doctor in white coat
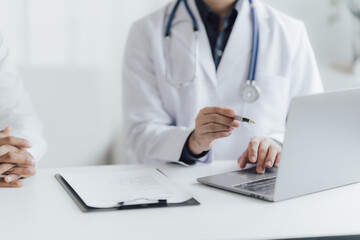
21	141
178	111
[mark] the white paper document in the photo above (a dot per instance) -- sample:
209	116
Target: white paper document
108	189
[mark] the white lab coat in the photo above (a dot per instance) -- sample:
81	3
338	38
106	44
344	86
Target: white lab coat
159	117
15	107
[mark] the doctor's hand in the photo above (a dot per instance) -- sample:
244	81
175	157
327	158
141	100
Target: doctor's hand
211	123
15	161
265	152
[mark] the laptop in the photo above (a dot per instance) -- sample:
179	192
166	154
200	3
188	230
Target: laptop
321	150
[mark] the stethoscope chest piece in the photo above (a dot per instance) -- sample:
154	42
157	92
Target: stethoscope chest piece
251	92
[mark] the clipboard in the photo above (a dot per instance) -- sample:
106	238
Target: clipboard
85	208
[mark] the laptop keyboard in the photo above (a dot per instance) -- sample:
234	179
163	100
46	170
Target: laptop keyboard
264	186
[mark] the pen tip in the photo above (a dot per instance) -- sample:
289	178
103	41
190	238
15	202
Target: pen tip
251	121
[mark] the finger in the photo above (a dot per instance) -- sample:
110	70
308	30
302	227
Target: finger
14	141
219	110
218	118
12	178
214	127
217	135
253	149
6	131
277	160
243	159
22	171
271	156
17	158
8	148
10	184
5	167
262	153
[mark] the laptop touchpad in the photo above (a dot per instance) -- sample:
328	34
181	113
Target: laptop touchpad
250	174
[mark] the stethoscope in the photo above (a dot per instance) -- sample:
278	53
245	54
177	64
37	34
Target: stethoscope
251	91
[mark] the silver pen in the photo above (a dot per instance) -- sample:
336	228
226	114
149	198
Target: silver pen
243	119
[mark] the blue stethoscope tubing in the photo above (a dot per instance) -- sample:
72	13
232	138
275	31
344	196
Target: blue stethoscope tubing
255	42
251	92
172	16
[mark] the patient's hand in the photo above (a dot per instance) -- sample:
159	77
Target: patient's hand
265	152
15	161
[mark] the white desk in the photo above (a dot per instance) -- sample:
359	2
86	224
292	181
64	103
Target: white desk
43	210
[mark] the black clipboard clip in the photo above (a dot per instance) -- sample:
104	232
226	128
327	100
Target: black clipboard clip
152	203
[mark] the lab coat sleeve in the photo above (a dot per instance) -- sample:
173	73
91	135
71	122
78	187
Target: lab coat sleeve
304	74
150	131
189	158
16	110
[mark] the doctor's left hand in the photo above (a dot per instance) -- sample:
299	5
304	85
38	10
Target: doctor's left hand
265	152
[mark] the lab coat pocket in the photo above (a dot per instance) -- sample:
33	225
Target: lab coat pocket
270	110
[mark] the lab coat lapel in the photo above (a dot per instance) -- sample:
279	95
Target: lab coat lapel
238	48
206	58
181	28
184	32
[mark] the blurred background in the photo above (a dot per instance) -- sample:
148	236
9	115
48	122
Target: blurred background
69	53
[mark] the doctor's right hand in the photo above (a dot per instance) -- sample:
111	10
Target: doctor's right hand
210	124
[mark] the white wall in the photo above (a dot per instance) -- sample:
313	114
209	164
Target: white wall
70	53
332	43
324	36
